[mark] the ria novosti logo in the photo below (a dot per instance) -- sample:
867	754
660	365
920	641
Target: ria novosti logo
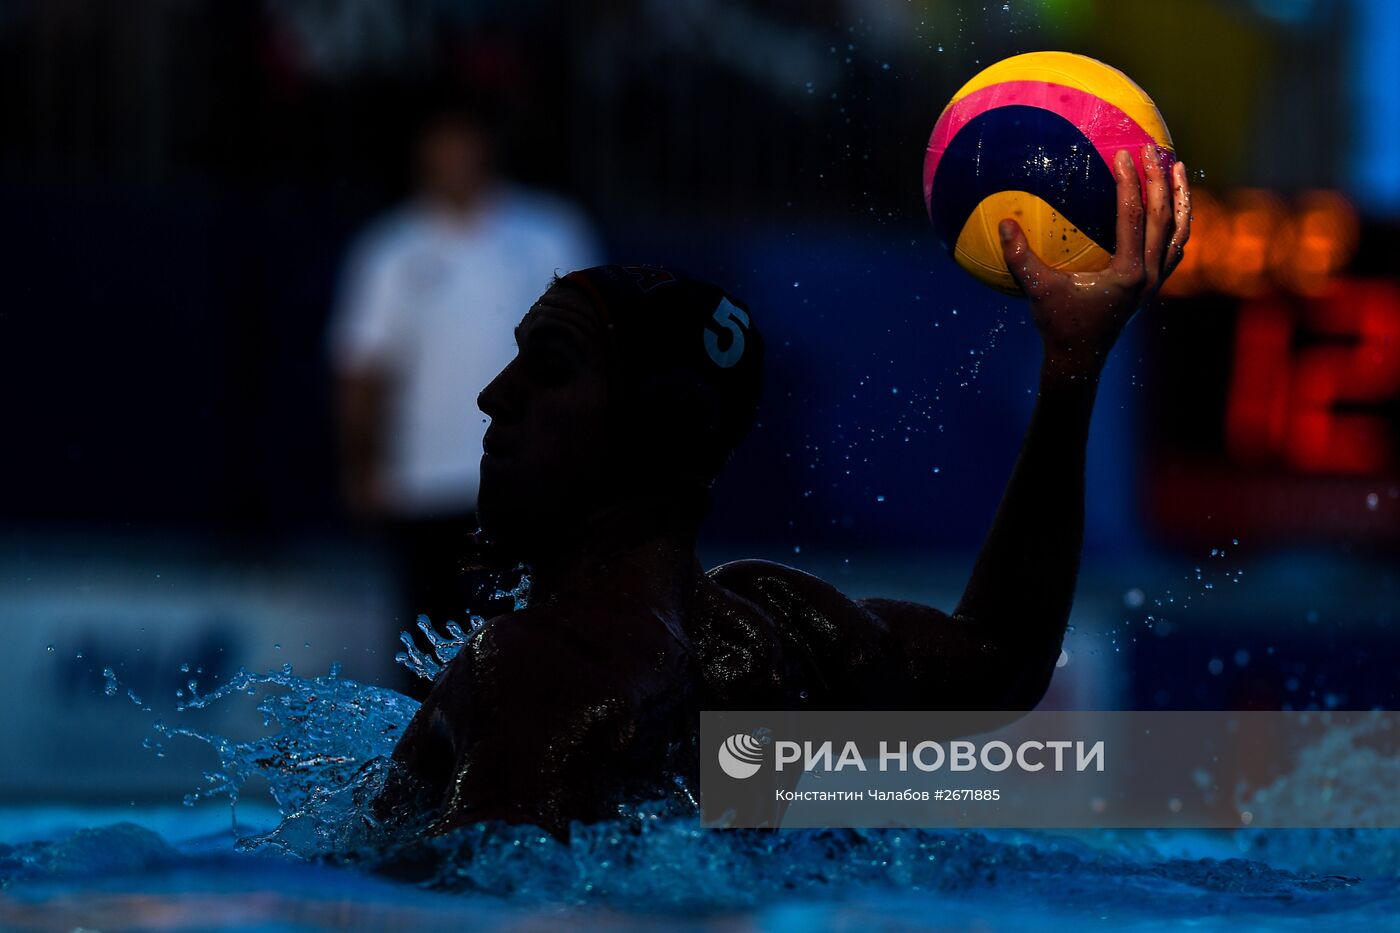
740	756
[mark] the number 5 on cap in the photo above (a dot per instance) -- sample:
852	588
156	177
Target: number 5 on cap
733	319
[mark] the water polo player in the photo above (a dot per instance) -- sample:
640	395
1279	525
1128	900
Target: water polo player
629	390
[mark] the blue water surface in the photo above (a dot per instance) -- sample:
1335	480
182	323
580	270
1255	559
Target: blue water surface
320	860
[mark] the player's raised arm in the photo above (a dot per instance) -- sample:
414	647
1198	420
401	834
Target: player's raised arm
1022	585
999	648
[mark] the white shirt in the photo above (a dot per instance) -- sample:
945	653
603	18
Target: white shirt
432	301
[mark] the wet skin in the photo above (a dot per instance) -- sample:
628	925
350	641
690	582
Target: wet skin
592	694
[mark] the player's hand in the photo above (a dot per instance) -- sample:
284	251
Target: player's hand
1080	314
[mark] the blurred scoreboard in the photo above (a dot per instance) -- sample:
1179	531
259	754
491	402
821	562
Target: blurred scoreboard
1277	373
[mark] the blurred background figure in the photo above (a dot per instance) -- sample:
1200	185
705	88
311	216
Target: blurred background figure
430	297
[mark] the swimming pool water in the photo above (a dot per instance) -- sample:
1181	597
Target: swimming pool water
317	861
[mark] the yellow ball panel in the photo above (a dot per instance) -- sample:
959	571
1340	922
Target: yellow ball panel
1077	71
1054	239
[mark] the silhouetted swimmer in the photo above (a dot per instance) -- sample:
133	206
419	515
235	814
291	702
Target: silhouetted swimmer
630	388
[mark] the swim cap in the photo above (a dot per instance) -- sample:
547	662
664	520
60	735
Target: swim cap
690	357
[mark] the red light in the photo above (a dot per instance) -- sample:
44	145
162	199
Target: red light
1256	413
1314	407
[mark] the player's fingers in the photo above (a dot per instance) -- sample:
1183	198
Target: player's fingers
1159	214
1026	267
1181	197
1127	258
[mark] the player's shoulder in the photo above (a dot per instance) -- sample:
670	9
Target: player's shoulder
778	588
829	637
748	574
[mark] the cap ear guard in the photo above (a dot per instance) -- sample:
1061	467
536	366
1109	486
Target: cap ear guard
681	419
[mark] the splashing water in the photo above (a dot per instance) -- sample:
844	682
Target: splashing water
444	649
324	763
327	756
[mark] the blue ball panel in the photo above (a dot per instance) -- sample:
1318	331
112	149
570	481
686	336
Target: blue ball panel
1019	148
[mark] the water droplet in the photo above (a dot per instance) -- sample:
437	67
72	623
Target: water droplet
1373	501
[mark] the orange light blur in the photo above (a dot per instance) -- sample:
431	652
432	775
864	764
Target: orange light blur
1210	234
1251	242
1316	243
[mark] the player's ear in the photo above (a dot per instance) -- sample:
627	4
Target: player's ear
692	431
